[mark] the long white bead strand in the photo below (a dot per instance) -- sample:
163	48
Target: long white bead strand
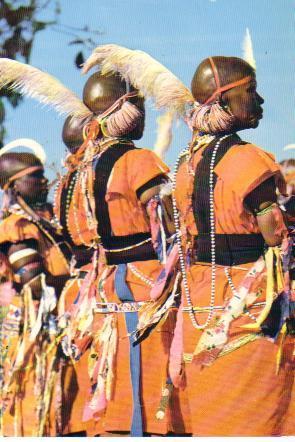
212	230
212	237
179	245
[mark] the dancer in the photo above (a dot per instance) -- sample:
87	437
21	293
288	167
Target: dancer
33	271
103	177
236	300
112	214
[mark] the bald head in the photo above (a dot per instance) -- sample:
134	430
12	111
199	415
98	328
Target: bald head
100	91
72	133
230	84
229	69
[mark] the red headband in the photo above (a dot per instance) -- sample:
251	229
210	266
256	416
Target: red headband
220	89
22	173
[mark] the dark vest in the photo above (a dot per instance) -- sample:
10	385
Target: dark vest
103	167
231	249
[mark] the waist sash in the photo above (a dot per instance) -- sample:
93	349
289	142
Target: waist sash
129	248
131	318
233	249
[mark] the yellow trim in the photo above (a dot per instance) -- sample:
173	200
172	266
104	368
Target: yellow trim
129	247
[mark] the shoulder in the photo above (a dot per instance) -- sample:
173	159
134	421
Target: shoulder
243	156
134	169
249	150
16	228
246	166
145	157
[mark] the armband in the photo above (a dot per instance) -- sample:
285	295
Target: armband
27	268
20	254
266	210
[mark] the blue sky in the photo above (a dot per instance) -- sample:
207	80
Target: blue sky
179	33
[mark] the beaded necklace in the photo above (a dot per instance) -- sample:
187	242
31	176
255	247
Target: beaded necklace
81	186
148	281
187	151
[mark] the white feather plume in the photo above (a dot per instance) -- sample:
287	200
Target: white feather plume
164	134
35	147
145	73
289	147
248	53
41	86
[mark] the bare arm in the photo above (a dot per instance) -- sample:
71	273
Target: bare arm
166	203
27	265
262	202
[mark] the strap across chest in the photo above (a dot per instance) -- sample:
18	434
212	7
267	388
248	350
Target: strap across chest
200	198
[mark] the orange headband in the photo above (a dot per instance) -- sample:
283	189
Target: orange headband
220	89
22	173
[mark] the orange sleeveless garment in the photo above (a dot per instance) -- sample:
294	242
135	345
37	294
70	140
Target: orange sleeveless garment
127	216
240	394
21	416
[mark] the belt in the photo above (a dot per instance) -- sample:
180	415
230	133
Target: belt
218	307
230	249
124	307
142	251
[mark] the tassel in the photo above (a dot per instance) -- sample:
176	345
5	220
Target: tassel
164	402
273	275
176	351
124	120
164	135
283	335
163	235
211	118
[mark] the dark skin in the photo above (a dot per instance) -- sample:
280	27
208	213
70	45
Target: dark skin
31	274
72	133
244	102
33	189
99	93
166	205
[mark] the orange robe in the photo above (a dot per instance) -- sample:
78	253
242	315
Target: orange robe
128	216
27	390
80	385
239	394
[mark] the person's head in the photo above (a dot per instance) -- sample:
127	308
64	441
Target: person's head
72	133
119	104
226	88
24	174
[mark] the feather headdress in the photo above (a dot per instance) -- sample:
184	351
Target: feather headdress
164	134
35	147
145	73
289	147
41	86
248	53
